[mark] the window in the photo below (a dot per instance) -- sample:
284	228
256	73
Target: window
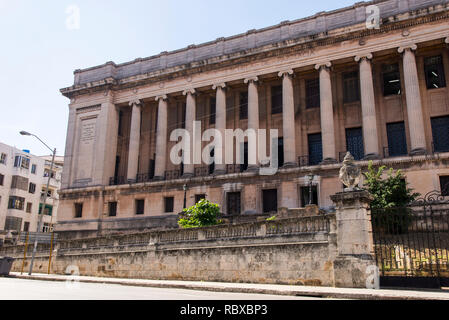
212	165
46	228
313	93
434	70
120	123
47	173
391	80
13	223
280	152
3	157
22	162
140	206
17	203
112	209
183	115
305	195
233	203
49	193
243	105
354	143
169	204
18	182
276	99
440	132
2	178
48	209
199	197
32	188
33	169
26	226
78	210
212	110
397	143
444	184
29	207
270	200
315	149
244	165
351	87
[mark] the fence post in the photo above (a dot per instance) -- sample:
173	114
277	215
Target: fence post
355	248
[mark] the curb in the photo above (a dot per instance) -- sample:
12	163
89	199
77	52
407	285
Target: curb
319	292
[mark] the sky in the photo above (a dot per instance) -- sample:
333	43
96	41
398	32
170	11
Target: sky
43	41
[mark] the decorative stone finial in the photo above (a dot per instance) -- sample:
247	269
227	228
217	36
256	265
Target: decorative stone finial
350	173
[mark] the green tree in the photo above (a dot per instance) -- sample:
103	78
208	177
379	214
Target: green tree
202	214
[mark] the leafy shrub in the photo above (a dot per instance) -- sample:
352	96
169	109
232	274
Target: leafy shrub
202	214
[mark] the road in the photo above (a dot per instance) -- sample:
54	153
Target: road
23	289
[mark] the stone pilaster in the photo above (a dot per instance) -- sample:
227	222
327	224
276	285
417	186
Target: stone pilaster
370	134
327	113
413	97
69	149
220	125
288	118
355	249
189	167
161	138
134	140
253	117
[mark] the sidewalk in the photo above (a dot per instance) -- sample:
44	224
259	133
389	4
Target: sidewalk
273	289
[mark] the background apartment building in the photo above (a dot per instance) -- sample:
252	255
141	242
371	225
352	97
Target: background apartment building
23	180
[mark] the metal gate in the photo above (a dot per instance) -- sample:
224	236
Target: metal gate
412	243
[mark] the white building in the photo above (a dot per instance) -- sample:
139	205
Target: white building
23	179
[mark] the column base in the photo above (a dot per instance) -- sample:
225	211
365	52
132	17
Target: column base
329	161
372	156
418	152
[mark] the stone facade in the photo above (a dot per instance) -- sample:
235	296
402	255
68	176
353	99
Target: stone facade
121	116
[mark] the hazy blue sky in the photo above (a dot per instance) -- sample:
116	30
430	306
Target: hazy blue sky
39	52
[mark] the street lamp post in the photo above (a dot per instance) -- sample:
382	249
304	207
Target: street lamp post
185	195
40	221
310	177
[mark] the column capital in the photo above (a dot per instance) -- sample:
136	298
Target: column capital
251	79
322	65
446	40
283	73
136	102
163	97
221	85
361	57
190	91
411	47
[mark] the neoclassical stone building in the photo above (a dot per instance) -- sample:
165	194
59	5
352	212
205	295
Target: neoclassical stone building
330	83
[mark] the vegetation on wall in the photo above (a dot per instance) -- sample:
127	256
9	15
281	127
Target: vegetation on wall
202	214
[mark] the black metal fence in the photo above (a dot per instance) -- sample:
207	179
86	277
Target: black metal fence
412	243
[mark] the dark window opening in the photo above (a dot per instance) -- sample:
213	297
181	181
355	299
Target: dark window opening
2	178
29	207
32	188
397	143
120	123
444	184
243	105
270	200
391	80
199	197
33	169
212	165
351	87
169	204
440	132
78	210
280	152
112	209
315	149
305	196
212	110
140	206
434	70
26	226
17	203
276	99
313	93
234	203
354	143
244	165
183	115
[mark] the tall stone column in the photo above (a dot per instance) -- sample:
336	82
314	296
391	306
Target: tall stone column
288	118
327	113
413	97
134	140
189	167
253	119
161	138
370	134
220	124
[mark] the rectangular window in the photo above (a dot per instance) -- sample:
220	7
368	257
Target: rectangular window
78	210
305	196
212	110
140	206
2	178
397	143
33	169
276	99
391	80
434	70
29	207
26	226
354	143
444	184
315	149
18	182
13	223
199	197
244	165
313	93
3	157
48	209
440	132
351	87
112	209
243	105
270	200
280	152
183	115
32	188
120	123
17	203
169	204
233	203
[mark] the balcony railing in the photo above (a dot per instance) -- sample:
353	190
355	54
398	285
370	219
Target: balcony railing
172	175
144	177
202	171
234	168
